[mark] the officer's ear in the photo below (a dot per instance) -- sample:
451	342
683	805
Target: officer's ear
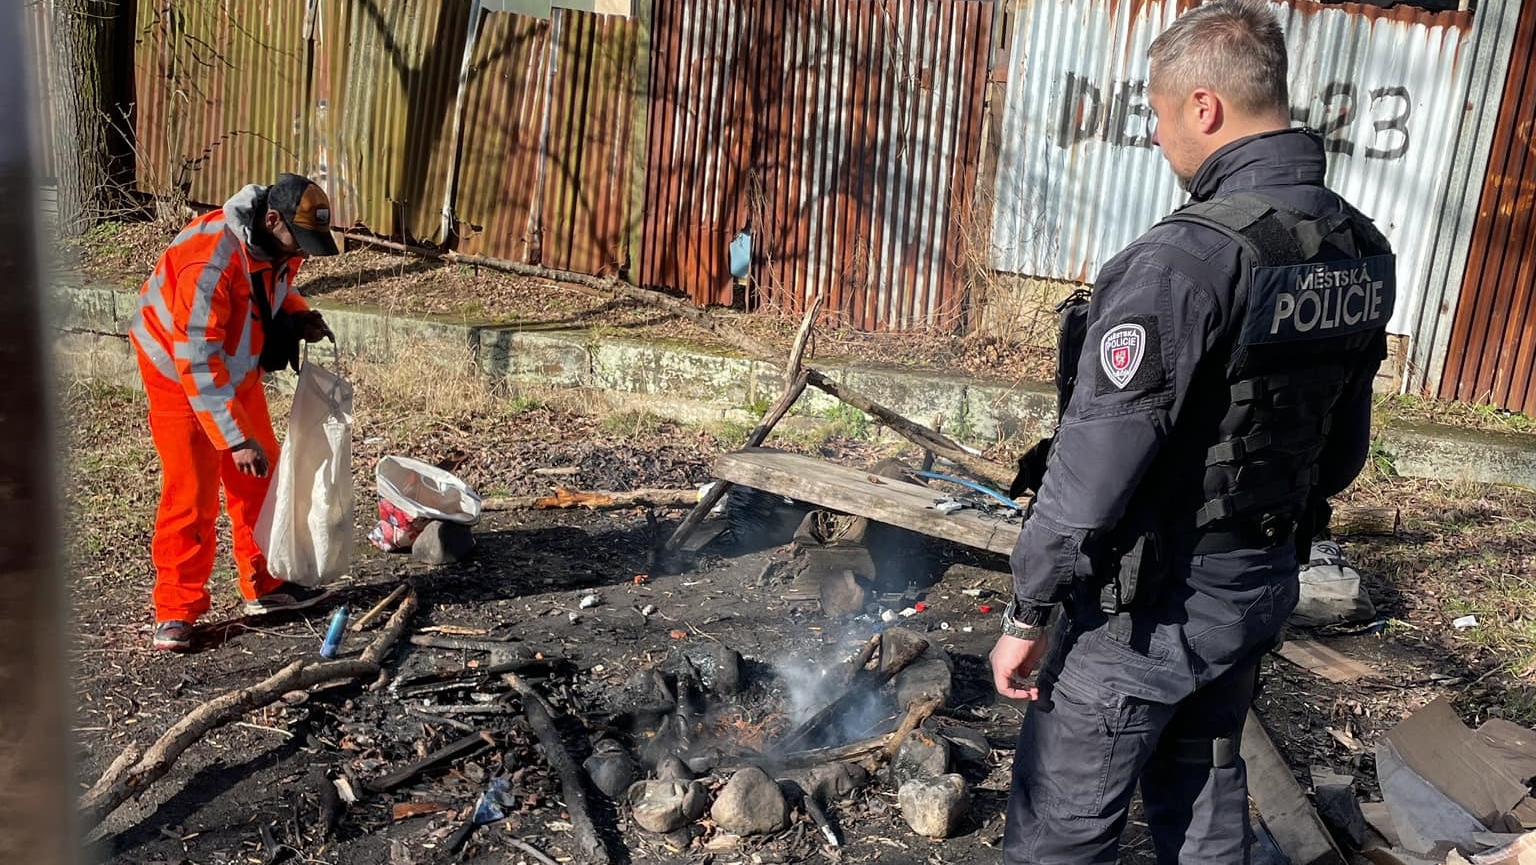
1207	110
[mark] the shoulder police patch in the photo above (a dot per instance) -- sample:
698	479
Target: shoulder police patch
1130	355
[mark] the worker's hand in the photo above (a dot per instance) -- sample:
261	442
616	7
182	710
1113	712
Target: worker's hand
1014	661
314	326
250	458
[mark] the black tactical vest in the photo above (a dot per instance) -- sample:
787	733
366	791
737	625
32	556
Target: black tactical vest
1314	302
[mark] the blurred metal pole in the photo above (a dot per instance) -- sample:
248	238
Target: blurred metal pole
36	773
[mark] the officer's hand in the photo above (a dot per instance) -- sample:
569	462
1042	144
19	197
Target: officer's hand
315	328
250	458
1014	662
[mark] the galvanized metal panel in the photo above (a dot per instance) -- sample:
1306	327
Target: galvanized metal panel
220	95
1492	352
1495	28
38	37
1078	178
862	120
385	90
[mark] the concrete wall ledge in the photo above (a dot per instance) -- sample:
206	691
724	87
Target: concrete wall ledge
698	385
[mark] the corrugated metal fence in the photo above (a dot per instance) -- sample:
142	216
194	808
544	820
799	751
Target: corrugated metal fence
1079	177
842	136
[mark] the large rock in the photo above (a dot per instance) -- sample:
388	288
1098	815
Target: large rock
829	781
966	744
611	768
717	667
929	678
751	804
672	768
665	806
922	755
443	543
934	806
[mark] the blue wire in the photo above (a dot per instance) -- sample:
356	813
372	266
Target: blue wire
973	485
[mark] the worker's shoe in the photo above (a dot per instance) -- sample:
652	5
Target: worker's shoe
289	596
173	636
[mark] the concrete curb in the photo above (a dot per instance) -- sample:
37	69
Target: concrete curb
696	385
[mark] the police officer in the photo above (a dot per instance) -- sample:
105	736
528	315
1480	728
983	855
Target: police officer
1223	391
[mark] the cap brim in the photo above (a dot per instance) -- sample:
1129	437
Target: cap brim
314	242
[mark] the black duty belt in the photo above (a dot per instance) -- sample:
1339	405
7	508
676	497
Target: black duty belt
1263	534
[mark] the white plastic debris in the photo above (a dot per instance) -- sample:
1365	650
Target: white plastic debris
599	668
1464	623
344	790
947	508
975	593
590	601
888	615
648	610
967	629
943	626
909	611
573	617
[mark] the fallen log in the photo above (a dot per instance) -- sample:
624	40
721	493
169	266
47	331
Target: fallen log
390	633
461	747
1352	520
596	500
133	778
432	641
541	717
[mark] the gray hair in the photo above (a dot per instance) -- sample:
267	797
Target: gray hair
1234	47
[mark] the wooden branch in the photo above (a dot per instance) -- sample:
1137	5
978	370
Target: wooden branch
565	497
917	713
859	661
106	795
391	631
461	747
378	609
432	641
531	850
999	476
541	717
863	685
795	382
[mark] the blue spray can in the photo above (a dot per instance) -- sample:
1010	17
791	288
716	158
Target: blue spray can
333	634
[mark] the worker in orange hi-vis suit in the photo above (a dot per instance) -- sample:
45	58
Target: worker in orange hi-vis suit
218	310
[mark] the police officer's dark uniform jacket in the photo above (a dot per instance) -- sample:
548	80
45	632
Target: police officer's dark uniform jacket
1223	387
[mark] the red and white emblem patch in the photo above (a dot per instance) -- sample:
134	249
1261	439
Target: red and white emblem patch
1121	351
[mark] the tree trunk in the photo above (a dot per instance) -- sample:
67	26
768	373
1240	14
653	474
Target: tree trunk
80	109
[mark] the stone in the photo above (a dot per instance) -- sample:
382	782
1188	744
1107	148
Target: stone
1338	807
672	768
934	807
928	678
921	756
843	595
665	806
826	782
443	543
717	667
966	744
751	803
611	768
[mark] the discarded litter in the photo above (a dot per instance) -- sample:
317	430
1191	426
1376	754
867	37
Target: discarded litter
590	601
909	611
888	616
497	796
648	610
1464	623
574	617
333	635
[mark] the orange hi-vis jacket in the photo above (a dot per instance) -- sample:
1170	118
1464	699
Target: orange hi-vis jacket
196	323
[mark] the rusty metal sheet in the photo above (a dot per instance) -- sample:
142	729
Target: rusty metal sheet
846	141
545	158
1078	177
385	83
696	195
219	95
1491	356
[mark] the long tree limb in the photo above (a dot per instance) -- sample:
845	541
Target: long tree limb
564	497
541	717
221	710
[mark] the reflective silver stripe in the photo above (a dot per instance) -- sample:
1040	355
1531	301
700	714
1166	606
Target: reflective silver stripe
216	406
152	299
211	227
152	350
198	349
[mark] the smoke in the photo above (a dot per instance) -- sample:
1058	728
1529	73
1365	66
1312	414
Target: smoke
810	684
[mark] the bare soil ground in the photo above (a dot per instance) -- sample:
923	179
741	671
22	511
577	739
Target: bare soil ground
1463	550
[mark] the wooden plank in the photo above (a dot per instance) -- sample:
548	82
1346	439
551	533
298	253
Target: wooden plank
1285	809
894	502
1324	661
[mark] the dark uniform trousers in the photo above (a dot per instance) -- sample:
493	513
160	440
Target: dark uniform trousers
1157	698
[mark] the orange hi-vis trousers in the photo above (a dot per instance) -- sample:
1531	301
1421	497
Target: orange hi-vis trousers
193	470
